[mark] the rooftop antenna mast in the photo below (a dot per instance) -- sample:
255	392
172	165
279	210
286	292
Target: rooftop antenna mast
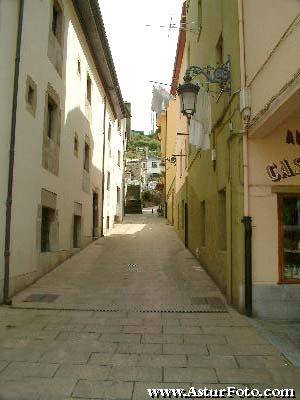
170	26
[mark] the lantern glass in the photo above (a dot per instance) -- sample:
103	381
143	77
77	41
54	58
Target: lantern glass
188	93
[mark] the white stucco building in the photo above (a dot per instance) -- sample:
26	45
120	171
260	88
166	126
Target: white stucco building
63	117
151	170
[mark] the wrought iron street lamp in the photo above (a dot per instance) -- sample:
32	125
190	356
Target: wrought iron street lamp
188	91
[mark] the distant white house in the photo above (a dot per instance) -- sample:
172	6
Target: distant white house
151	170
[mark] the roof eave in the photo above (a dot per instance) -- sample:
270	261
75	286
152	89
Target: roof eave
90	18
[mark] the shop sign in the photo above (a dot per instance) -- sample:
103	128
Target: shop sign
290	139
283	170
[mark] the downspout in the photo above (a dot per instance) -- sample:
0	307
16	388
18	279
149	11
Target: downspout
247	220
6	299
165	185
103	166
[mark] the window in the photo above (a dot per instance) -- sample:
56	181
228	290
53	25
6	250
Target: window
76	231
109	132
51	118
118	195
180	163
76	145
222	220
119	124
86	158
51	131
186	154
108	181
119	158
31	95
57	17
78	67
199	17
107	222
199	13
289	238
219	51
89	89
154	165
48	216
203	223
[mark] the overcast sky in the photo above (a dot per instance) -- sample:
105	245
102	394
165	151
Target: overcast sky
141	53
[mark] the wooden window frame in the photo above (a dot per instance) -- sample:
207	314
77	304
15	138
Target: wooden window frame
108	183
109	132
86	157
57	20
31	95
281	264
51	116
89	89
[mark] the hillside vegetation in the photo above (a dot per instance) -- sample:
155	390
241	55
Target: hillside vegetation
136	146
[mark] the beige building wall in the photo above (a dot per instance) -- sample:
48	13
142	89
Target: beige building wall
7	51
274	24
170	150
272	74
73	186
114	166
182	141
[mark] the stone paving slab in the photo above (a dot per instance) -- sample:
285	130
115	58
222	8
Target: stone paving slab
36	388
21	370
185	349
82	354
162	360
85	371
204	339
262	361
149	348
212	361
121	338
246	375
126	373
251	349
114	359
190	374
103	390
117	285
19	354
153	338
140	388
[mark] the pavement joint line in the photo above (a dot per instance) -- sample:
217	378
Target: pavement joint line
122	310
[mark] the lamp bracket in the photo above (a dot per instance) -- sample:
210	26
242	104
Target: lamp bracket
220	74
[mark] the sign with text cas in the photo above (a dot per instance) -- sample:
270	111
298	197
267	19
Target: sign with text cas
286	168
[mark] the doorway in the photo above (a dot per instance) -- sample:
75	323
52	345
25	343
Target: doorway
186	225
95	215
77	231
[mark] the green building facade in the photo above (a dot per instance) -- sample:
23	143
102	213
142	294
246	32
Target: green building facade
209	206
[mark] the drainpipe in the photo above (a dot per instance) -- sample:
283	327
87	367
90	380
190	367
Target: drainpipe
103	166
6	299
165	185
247	220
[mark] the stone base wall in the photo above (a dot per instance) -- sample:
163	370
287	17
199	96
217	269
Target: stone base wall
276	302
47	262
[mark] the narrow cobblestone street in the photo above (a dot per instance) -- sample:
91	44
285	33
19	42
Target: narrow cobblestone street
132	311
